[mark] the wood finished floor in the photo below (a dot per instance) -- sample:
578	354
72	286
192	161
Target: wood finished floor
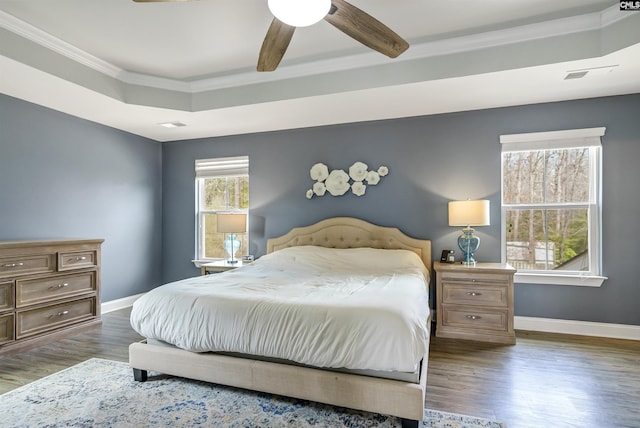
546	380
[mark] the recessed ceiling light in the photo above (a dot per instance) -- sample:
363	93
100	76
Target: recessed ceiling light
172	124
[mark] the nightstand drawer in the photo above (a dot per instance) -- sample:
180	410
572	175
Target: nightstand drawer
34	321
485	295
476	318
475	277
42	290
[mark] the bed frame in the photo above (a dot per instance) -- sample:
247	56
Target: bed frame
385	396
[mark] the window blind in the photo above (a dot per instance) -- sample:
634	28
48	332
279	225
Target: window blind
222	167
588	137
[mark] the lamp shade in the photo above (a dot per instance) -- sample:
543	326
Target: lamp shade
299	13
232	223
469	213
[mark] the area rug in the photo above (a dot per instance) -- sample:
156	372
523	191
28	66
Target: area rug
102	393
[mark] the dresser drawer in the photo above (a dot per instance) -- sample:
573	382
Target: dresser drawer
468	294
34	321
6	328
475	318
77	260
6	296
27	264
43	290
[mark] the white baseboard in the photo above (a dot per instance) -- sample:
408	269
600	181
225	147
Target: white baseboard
114	305
582	328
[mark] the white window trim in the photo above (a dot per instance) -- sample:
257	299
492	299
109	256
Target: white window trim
587	137
555	279
207	168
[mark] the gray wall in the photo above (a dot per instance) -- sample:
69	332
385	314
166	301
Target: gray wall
432	160
63	177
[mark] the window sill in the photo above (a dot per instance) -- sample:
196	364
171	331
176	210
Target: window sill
554	279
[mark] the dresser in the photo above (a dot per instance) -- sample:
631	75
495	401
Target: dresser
47	289
475	302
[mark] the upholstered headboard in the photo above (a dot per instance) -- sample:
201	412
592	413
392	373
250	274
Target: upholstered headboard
347	232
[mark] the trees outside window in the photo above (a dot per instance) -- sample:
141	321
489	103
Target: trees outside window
551	202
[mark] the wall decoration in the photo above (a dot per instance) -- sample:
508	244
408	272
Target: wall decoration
338	182
319	188
358	188
358	171
373	178
319	172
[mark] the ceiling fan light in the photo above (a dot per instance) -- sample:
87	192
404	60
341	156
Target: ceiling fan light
299	13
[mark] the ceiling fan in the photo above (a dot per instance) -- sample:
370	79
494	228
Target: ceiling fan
344	16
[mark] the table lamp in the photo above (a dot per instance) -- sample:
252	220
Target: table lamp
232	224
469	213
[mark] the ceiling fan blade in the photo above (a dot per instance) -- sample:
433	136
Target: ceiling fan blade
274	45
365	29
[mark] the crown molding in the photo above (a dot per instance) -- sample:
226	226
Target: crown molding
553	28
154	81
36	35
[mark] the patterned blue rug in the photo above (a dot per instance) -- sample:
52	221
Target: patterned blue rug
102	393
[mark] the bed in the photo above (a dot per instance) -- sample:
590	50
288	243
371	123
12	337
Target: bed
394	384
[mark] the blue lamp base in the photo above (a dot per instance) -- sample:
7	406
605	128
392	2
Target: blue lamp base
469	244
231	246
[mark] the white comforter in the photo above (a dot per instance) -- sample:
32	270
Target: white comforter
357	308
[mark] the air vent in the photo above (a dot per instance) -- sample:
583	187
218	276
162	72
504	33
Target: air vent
576	75
172	124
592	72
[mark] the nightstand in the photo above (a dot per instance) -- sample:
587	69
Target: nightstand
219	266
475	302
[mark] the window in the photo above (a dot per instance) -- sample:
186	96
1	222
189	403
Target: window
551	206
222	185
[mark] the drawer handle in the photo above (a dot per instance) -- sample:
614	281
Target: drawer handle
10	265
59	286
61	314
78	259
474	293
474	317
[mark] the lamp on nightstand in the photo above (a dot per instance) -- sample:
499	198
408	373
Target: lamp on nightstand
232	224
469	213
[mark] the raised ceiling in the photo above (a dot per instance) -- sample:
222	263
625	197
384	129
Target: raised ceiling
133	65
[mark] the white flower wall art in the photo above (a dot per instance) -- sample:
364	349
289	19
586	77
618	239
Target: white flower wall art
373	178
358	188
358	171
337	182
319	172
319	188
